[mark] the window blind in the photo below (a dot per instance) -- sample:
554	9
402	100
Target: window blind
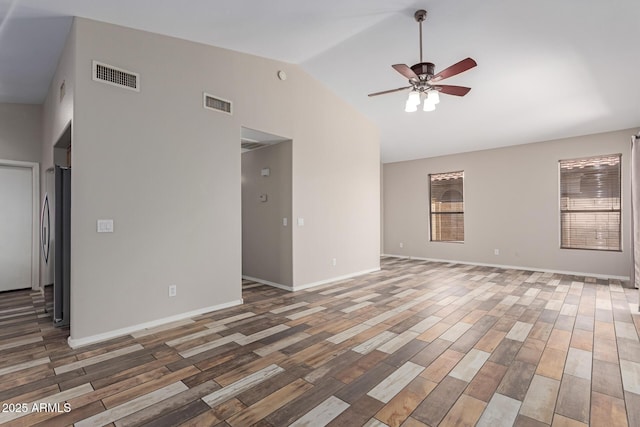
447	206
590	207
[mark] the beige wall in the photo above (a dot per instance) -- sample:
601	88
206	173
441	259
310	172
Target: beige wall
266	243
511	204
167	172
56	116
20	132
336	176
58	113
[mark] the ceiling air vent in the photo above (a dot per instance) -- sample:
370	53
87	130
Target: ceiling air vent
116	76
217	104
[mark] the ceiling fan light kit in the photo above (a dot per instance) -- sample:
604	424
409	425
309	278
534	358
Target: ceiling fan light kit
433	97
414	98
428	107
410	107
422	78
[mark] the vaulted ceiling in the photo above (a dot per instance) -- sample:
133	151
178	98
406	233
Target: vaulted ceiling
547	69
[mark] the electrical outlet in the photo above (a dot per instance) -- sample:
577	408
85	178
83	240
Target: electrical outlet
172	290
105	226
334	262
496	251
401	245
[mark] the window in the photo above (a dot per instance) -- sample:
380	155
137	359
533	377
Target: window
590	203
447	207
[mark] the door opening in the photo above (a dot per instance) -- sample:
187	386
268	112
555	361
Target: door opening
267	209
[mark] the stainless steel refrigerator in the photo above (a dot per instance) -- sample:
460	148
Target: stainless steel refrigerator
56	244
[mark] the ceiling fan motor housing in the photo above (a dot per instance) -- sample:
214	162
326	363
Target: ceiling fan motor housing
424	69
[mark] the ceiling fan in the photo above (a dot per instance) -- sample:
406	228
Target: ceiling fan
423	80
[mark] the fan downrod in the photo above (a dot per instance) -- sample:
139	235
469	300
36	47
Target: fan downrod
420	16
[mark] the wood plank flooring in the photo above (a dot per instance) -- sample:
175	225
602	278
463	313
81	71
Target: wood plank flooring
416	344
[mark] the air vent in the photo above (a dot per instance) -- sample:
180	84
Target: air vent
116	76
217	104
251	145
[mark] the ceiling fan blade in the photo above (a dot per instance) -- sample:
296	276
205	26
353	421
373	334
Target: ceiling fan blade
453	90
406	71
389	91
457	68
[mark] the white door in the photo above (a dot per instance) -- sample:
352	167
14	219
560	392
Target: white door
16	227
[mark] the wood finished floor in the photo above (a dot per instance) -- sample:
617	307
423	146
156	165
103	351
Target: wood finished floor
418	343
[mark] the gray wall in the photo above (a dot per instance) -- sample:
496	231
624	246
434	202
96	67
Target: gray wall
56	116
20	132
266	243
167	171
511	204
336	183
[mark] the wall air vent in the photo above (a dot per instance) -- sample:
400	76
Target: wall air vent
213	103
250	144
116	76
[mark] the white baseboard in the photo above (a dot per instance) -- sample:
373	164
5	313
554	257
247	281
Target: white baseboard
335	279
266	282
513	267
92	339
314	284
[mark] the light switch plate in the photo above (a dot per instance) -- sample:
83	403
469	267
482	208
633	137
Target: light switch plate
105	226
300	222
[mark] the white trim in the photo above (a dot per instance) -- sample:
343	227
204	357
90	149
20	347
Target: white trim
334	279
313	284
35	215
514	267
80	342
266	282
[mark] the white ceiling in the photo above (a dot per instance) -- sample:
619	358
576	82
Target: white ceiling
546	69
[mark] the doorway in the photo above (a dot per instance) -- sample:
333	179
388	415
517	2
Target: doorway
267	239
19	194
